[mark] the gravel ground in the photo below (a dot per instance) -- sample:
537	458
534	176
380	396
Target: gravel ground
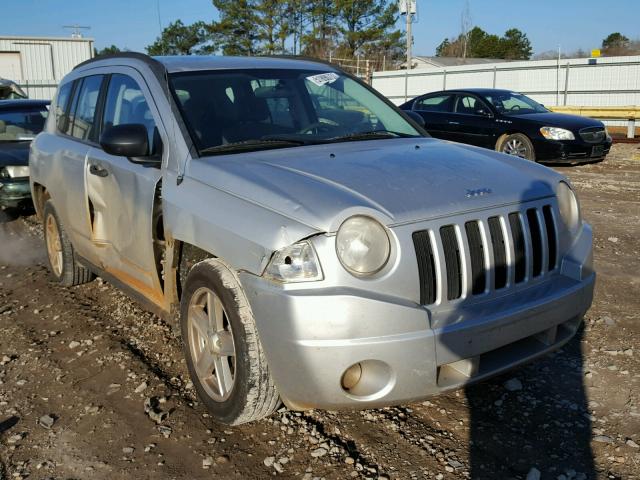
92	386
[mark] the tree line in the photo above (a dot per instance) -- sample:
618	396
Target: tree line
318	28
476	43
340	29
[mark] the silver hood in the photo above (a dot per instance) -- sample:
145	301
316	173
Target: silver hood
397	180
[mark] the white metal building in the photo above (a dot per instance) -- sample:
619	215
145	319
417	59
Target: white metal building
37	64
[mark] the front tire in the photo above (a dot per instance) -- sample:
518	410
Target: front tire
223	352
62	262
516	144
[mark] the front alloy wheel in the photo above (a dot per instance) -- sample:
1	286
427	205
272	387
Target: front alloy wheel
211	344
517	145
224	354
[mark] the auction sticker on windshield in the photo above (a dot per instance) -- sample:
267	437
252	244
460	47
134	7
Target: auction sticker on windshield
323	78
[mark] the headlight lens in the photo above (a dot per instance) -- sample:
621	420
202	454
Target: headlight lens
14	172
295	263
554	133
569	208
362	245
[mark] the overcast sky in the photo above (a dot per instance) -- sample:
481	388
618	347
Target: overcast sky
134	24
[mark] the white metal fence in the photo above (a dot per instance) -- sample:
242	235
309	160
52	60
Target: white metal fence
610	81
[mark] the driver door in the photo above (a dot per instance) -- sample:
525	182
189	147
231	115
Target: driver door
121	194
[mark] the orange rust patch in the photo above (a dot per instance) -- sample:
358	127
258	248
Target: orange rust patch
155	295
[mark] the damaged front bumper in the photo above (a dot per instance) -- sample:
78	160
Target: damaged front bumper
338	348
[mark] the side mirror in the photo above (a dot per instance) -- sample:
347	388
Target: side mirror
126	140
416	117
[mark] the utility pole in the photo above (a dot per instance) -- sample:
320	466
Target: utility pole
408	8
409	41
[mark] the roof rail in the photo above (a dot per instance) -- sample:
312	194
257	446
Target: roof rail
133	55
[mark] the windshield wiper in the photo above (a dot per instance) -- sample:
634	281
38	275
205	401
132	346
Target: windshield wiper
252	145
370	135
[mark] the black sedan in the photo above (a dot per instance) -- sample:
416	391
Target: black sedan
20	122
512	123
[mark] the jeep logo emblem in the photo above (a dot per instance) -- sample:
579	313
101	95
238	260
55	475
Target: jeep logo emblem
479	192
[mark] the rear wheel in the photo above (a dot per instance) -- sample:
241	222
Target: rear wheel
62	263
223	352
516	144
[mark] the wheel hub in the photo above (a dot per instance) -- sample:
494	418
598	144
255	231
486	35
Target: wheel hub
211	344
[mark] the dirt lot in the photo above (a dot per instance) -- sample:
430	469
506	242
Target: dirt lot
77	366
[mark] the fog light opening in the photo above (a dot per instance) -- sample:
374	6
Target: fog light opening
351	376
367	380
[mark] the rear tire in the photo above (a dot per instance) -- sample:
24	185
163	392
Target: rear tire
224	355
518	145
60	254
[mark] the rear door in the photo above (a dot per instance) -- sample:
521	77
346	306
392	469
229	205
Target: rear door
75	113
436	109
121	193
473	122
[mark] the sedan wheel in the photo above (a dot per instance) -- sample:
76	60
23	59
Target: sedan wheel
211	344
517	145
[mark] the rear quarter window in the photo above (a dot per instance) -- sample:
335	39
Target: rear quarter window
61	107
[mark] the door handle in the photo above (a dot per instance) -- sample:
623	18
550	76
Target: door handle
454	123
98	171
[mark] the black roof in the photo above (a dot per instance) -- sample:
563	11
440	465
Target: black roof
476	91
23	102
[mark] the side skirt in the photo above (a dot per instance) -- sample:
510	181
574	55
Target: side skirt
134	294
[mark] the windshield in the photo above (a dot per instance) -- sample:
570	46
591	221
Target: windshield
241	110
510	103
23	123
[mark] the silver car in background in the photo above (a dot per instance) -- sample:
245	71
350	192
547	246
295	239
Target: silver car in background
317	247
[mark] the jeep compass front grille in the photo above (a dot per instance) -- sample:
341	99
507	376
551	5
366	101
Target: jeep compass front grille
479	256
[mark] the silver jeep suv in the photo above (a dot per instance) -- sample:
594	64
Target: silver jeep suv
318	248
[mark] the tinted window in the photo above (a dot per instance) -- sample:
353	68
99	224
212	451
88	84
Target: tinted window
281	105
21	123
61	106
471	105
436	103
510	103
125	104
85	109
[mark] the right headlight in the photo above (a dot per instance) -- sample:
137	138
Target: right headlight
295	263
555	133
569	207
362	245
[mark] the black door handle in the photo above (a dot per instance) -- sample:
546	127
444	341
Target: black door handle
98	171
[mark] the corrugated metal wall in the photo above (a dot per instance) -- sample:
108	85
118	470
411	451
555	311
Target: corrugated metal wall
610	81
45	61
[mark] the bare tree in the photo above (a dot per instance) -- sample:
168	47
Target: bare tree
466	23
